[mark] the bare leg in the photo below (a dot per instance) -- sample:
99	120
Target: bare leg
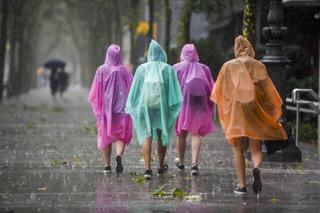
147	153
256	154
181	145
107	154
162	150
239	160
120	147
196	145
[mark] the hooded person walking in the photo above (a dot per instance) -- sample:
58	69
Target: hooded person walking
154	103
196	110
249	108
108	96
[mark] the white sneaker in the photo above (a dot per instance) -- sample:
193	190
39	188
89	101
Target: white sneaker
178	164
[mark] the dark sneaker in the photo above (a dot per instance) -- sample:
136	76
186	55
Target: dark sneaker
107	169
256	185
194	171
147	174
240	191
119	167
163	170
178	164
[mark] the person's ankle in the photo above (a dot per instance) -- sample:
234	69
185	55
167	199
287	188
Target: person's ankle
181	160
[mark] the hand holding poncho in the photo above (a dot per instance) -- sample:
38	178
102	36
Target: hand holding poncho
155	98
248	103
108	96
196	85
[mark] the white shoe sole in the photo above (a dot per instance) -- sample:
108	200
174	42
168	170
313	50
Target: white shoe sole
148	177
177	163
239	193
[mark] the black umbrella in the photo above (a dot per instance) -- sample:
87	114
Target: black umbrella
54	64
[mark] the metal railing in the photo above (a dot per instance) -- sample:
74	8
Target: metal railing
313	106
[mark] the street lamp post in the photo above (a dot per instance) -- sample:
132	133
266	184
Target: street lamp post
317	16
277	65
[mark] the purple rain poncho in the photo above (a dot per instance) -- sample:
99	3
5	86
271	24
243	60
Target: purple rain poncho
108	96
196	84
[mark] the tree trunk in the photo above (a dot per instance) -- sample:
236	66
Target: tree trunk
13	73
3	41
23	26
151	19
118	23
13	68
184	23
167	26
133	21
249	21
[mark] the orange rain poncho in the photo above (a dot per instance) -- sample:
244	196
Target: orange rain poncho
248	103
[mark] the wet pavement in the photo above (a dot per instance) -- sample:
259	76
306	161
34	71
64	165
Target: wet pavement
49	163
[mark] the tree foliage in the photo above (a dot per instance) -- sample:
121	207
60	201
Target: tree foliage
80	29
184	22
214	11
168	13
22	28
249	21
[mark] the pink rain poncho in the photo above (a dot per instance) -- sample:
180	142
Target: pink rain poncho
108	96
196	85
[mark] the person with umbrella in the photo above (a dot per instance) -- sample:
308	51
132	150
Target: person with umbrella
56	78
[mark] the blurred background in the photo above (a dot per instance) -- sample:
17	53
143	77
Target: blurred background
78	32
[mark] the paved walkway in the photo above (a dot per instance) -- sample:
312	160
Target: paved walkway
49	163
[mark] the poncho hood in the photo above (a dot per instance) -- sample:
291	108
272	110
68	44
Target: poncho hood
156	52
243	47
114	56
189	53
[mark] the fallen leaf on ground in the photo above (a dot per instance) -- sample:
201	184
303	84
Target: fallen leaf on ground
141	160
139	179
274	200
193	198
31	125
57	109
56	162
134	173
159	192
177	192
299	167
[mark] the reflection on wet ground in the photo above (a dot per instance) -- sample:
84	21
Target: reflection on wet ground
49	163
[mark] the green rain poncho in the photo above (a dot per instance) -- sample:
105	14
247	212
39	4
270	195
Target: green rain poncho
155	97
